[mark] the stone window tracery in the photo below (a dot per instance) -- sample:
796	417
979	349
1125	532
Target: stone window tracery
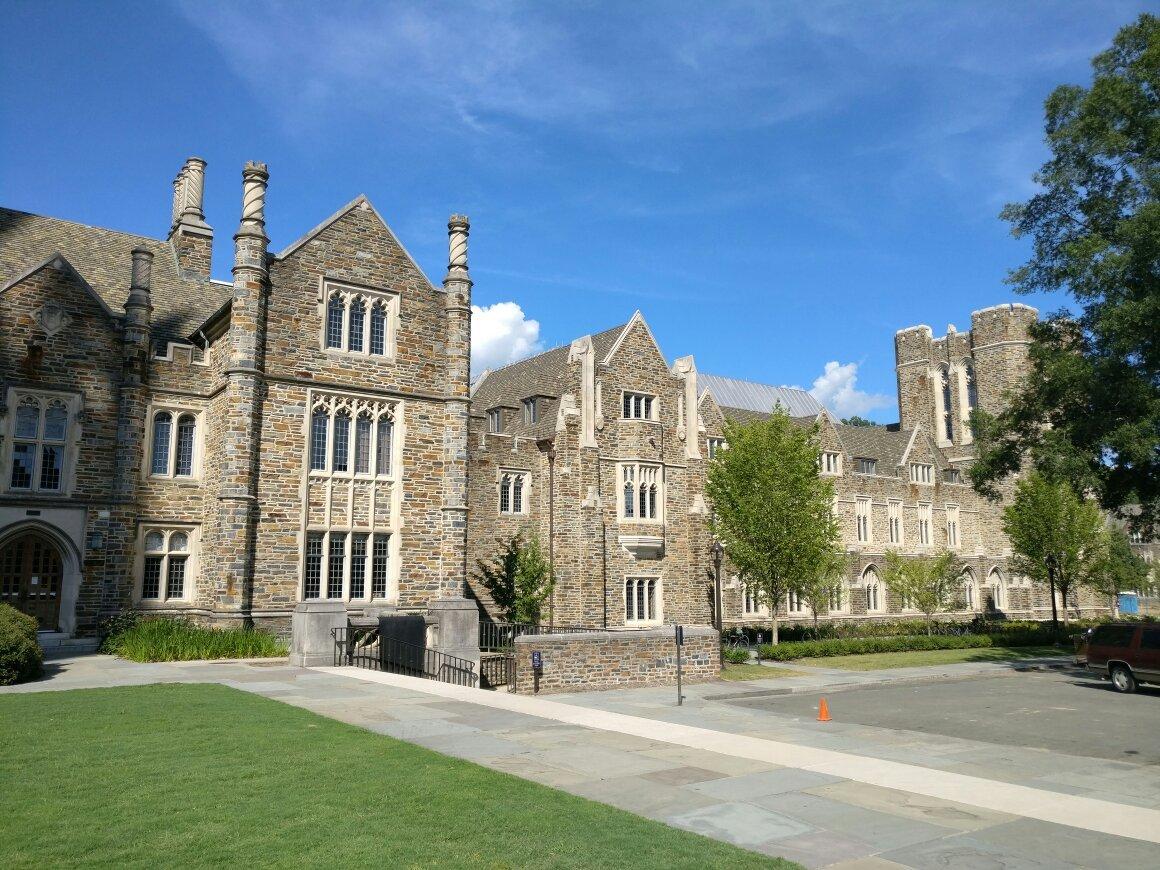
944	374
354	315
513	487
875	600
167	564
924	521
862	514
894	520
40	438
642	488
338	564
332	419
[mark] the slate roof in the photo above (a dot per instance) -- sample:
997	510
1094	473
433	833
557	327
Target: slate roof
752	396
542	375
876	442
103	258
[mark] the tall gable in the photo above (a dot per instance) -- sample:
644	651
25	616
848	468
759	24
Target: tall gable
635	334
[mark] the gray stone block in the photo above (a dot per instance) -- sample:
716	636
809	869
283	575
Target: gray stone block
312	638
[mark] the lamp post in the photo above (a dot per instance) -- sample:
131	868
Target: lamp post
1051	566
717	551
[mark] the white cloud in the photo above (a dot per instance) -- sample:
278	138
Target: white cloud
836	388
501	334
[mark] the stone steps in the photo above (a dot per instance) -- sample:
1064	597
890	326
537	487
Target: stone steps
56	644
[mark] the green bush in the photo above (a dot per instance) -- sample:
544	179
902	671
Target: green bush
165	639
735	656
784	652
21	658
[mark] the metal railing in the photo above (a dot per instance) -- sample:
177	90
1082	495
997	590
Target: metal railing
497	670
363	647
502	635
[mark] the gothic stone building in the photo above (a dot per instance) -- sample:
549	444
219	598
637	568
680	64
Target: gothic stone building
601	449
224	450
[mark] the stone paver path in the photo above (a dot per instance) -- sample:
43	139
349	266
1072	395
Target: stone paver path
825	796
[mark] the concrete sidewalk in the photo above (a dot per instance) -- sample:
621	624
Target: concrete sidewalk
818	817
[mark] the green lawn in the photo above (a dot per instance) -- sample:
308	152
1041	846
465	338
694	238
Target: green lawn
918	658
754	672
204	775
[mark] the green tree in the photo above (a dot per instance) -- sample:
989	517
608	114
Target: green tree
1090	408
518	578
1057	537
858	421
772	511
928	584
1119	569
818	588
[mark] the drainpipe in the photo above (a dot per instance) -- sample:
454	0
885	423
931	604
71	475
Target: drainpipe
603	536
552	536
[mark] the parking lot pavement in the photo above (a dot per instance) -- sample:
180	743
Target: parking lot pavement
1067	712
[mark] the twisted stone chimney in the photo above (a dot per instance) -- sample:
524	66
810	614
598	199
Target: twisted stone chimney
457	306
190	235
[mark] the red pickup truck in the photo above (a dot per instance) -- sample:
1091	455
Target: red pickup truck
1127	653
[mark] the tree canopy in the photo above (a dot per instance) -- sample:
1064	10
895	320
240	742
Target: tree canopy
772	510
518	578
1090	410
928	584
855	420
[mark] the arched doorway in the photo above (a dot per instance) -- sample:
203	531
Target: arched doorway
31	575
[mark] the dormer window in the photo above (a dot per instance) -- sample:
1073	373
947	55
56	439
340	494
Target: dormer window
531	411
831	462
866	466
639	406
952	475
495	420
359	321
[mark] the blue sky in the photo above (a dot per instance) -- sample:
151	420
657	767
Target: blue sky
777	186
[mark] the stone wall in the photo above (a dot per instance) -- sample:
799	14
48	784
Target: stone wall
616	659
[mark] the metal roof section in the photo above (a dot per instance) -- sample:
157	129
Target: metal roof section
736	393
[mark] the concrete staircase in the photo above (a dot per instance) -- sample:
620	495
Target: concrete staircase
57	644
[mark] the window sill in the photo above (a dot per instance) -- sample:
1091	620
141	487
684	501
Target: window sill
359	354
170	604
180	481
315	474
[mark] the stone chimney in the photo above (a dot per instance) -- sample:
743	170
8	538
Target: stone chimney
138	309
190	235
136	349
457	306
247	318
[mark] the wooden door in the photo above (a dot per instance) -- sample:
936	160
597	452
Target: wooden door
30	578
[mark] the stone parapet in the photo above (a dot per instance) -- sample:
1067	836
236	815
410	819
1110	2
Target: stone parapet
616	659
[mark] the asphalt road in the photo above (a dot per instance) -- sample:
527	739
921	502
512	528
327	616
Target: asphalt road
1065	712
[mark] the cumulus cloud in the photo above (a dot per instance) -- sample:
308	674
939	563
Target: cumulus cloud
836	388
501	334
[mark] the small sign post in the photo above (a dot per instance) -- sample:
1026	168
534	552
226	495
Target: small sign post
537	666
680	639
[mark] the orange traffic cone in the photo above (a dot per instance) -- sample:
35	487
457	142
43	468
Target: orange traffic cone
823	711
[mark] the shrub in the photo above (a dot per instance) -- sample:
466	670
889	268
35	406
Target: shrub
856	646
165	639
735	656
21	658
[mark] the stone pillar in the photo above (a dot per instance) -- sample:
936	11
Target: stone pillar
686	370
582	352
312	638
457	306
237	493
190	235
456	622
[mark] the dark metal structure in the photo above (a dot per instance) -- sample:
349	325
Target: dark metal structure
366	647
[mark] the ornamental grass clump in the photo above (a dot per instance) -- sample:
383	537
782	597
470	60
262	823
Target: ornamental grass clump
165	639
21	658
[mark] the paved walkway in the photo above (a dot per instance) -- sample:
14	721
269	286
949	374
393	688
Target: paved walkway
725	771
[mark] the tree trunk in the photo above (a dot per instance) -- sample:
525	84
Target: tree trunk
773	623
1054	614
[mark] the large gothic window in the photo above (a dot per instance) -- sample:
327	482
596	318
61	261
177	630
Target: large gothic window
945	386
643	491
40	432
351	436
359	321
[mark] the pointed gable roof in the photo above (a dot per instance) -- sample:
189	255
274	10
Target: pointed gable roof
359	201
103	259
59	262
637	319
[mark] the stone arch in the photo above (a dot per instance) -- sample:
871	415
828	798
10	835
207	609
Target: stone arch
873	589
71	562
996	589
970	589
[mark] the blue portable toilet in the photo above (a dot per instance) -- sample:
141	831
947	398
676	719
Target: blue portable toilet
1129	603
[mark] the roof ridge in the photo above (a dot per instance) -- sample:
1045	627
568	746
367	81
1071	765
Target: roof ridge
16	211
558	347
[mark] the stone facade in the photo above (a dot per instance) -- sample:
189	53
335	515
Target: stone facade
615	660
185	465
908	481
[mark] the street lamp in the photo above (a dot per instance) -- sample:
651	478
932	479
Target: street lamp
717	551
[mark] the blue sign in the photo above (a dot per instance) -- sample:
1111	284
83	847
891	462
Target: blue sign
537	660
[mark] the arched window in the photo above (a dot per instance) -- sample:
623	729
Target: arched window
355	325
518	494
875	600
378	328
995	584
972	389
340	457
162	432
386	437
334	316
629	491
970	594
945	386
319	424
362	444
165	574
186	433
643	491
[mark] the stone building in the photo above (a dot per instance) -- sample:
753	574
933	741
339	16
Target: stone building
177	444
601	449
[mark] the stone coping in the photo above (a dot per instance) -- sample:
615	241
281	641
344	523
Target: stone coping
663	632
